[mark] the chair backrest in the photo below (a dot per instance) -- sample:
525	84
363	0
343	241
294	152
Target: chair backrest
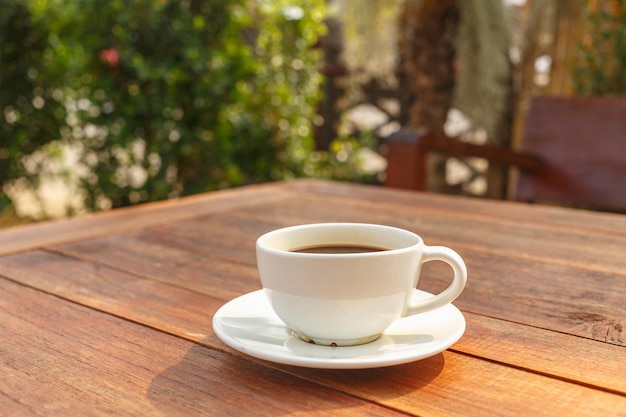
582	143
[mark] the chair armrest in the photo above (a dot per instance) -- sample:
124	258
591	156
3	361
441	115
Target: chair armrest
493	153
408	151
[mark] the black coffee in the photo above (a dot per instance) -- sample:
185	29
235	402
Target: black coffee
338	249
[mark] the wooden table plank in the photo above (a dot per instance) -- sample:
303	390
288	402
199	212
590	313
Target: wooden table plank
506	289
458	228
544	334
570	300
87	226
505	238
552	353
142	370
64	359
532	241
509	280
187	314
454	385
548	215
141	254
166	307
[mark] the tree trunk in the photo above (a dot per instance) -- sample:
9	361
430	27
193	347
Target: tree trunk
428	35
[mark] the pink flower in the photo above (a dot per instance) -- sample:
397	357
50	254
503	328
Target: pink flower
111	56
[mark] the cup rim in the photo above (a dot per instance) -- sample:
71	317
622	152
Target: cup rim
261	242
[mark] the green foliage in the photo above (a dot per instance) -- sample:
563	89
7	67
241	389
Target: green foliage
344	160
31	113
177	97
600	67
281	99
370	36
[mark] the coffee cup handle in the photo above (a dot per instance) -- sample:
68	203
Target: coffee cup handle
447	255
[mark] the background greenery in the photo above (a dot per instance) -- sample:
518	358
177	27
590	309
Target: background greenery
600	67
164	98
161	98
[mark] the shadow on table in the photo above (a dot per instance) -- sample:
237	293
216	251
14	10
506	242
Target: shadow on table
206	381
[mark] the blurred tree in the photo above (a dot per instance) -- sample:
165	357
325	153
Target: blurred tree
455	54
157	76
31	113
429	31
188	105
170	98
600	67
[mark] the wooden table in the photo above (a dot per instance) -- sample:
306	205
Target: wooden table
110	314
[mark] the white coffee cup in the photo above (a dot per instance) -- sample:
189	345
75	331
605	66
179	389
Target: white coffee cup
344	299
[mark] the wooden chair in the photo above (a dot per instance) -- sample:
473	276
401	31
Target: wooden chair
573	152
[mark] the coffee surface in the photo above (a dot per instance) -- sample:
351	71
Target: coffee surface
338	249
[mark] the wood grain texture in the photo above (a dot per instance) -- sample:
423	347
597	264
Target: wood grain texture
133	218
571	301
529	238
423	387
156	258
515	267
609	222
511	298
545	312
453	385
547	352
187	313
65	359
518	267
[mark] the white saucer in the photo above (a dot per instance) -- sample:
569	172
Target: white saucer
249	325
